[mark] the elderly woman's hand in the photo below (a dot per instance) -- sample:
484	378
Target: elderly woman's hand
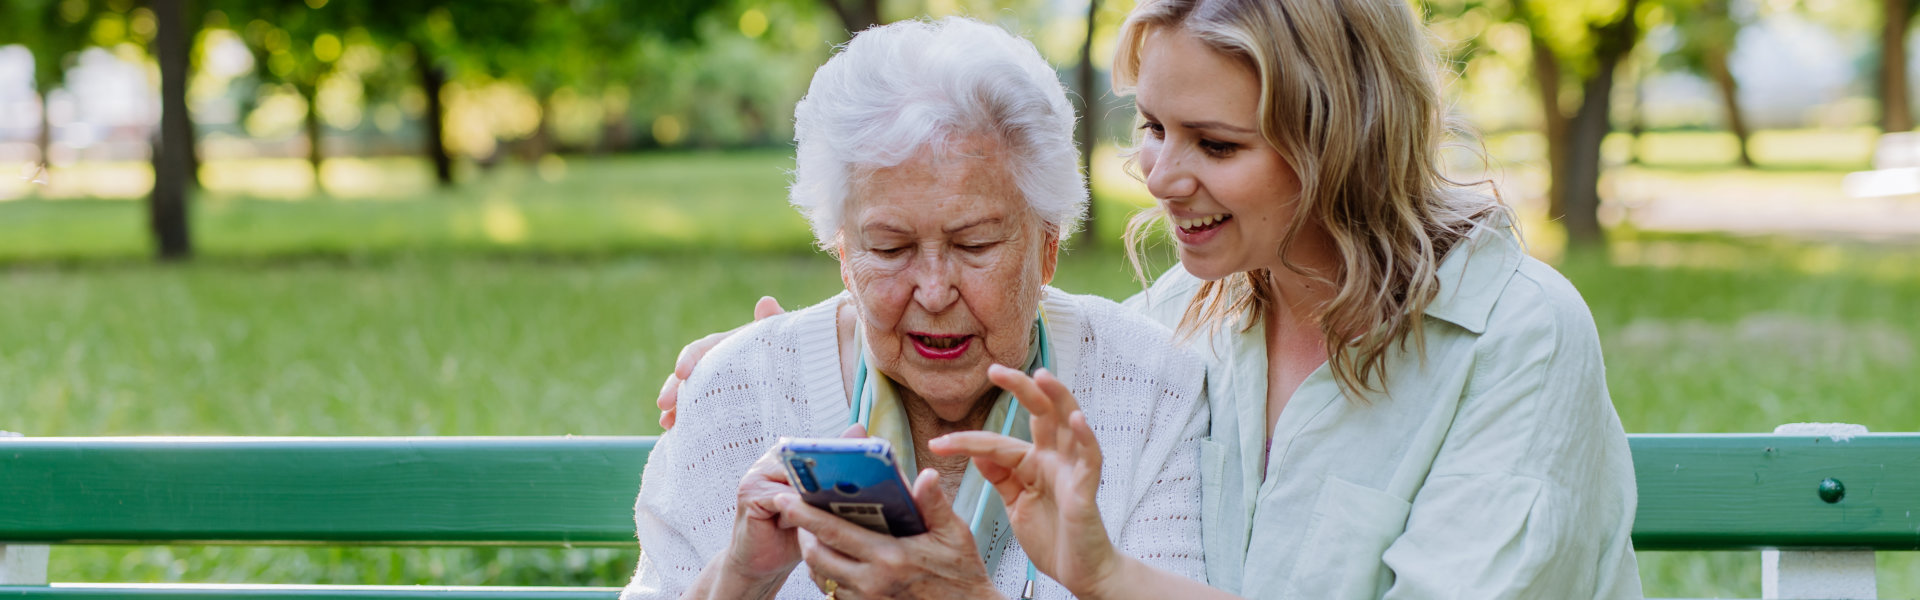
1049	486
690	356
765	547
862	564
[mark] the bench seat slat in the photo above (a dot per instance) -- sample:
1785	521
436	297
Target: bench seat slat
296	592
543	490
1728	492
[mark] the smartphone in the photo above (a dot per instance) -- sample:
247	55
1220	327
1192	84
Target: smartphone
856	478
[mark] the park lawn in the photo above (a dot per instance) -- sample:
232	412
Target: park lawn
378	316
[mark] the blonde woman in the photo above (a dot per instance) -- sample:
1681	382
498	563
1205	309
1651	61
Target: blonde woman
1405	405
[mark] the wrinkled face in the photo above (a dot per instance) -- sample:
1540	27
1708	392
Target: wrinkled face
1229	194
946	262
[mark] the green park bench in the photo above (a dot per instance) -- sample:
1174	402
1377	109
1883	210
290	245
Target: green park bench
1818	506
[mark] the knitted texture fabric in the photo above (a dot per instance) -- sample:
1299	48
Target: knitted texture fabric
1141	394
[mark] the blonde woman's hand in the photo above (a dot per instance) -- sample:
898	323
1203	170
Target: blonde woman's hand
690	356
1049	485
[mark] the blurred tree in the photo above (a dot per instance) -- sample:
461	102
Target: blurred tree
1707	38
1581	44
443	41
588	45
542	42
1576	48
856	15
1089	119
297	43
172	158
1896	110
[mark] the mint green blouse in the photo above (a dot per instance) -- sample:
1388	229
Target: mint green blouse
1494	466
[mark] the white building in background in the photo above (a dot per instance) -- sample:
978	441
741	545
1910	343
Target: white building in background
106	109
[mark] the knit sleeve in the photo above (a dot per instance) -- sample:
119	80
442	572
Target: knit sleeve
1143	397
1163	525
749	391
671	553
685	511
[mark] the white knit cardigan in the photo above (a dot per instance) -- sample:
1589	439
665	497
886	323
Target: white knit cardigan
782	377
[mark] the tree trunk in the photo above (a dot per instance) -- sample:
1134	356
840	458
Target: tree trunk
1089	125
432	80
193	154
44	142
1722	75
1589	128
168	208
1896	114
1637	126
615	135
856	15
541	143
316	134
1582	184
1546	76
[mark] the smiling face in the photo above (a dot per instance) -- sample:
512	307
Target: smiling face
945	262
1229	194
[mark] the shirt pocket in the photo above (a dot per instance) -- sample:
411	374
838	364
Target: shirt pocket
1351	528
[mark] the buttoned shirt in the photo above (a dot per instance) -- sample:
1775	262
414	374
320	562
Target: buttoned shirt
1492	465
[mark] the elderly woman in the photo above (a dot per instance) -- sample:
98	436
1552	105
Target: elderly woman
936	161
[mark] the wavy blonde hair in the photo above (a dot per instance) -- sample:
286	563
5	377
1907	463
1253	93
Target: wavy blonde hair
1350	98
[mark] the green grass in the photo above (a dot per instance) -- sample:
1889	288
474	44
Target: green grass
410	314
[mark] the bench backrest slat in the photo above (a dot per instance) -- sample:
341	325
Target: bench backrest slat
321	490
1705	492
1724	492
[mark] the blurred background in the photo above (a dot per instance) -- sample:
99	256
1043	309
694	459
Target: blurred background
504	217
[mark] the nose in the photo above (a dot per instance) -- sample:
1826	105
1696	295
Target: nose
1168	176
934	281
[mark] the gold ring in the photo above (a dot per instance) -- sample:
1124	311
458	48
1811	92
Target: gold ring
831	587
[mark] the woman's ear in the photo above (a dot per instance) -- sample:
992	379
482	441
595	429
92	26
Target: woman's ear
1050	256
840	253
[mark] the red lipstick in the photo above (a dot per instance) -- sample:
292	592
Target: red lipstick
940	347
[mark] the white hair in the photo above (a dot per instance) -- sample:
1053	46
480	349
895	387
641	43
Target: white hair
896	89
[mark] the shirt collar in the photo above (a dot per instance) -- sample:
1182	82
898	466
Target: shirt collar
1473	274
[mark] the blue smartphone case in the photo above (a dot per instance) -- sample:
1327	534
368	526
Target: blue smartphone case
856	478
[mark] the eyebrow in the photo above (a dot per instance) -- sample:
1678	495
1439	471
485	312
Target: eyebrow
972	224
1199	124
1215	125
888	228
